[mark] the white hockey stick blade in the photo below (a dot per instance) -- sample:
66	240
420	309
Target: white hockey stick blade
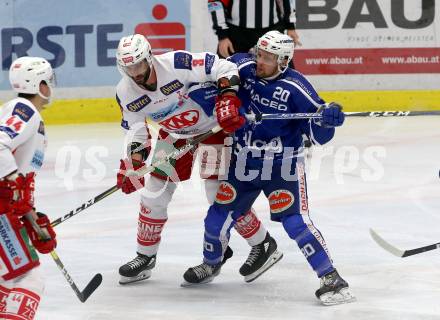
385	245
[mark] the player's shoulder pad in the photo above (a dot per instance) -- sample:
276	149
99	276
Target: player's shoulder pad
295	80
242	59
126	100
183	60
23	111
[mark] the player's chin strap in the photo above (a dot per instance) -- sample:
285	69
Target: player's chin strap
259	117
142	171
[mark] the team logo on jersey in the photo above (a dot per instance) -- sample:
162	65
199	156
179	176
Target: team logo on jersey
23	111
182	120
226	193
280	200
171	87
138	104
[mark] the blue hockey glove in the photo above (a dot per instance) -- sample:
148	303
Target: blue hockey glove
332	115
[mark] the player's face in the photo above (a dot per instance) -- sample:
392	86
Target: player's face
267	64
139	72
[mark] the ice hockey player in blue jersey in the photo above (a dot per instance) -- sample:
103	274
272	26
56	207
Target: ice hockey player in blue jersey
268	157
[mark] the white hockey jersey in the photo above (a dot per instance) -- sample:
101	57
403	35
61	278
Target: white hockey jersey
183	102
22	137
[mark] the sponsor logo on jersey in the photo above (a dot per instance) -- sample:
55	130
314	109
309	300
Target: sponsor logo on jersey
144	210
226	193
164	112
304	205
267	102
37	159
182	120
23	111
10	244
299	83
11	133
41	129
124	124
171	87
198	62
138	104
182	60
280	200
209	62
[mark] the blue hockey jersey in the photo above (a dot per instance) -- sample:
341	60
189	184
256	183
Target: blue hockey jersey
288	93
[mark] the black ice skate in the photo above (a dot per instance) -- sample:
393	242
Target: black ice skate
137	269
204	273
334	290
262	257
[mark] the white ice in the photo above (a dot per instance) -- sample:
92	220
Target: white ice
348	194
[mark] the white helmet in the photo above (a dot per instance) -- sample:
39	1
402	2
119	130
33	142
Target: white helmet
132	50
26	74
279	44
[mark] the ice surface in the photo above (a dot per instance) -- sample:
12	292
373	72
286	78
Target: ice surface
403	206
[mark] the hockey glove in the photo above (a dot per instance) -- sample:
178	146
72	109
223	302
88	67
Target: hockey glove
5	196
227	112
332	115
43	246
22	188
127	178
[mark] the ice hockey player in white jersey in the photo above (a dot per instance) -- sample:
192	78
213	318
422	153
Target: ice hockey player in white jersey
185	94
22	146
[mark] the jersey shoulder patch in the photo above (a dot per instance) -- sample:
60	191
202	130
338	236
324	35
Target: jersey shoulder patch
182	60
23	111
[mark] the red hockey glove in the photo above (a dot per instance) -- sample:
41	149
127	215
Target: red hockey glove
43	246
227	112
126	177
5	196
23	193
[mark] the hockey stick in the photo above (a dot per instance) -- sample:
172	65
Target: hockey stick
143	171
91	286
371	114
401	253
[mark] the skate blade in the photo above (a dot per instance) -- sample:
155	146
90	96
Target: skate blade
186	284
274	258
144	275
332	298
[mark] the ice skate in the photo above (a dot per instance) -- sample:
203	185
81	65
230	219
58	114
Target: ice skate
204	273
334	290
261	258
137	269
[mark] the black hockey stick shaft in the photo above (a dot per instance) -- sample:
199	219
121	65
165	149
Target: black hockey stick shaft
173	155
91	286
398	252
411	252
371	114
